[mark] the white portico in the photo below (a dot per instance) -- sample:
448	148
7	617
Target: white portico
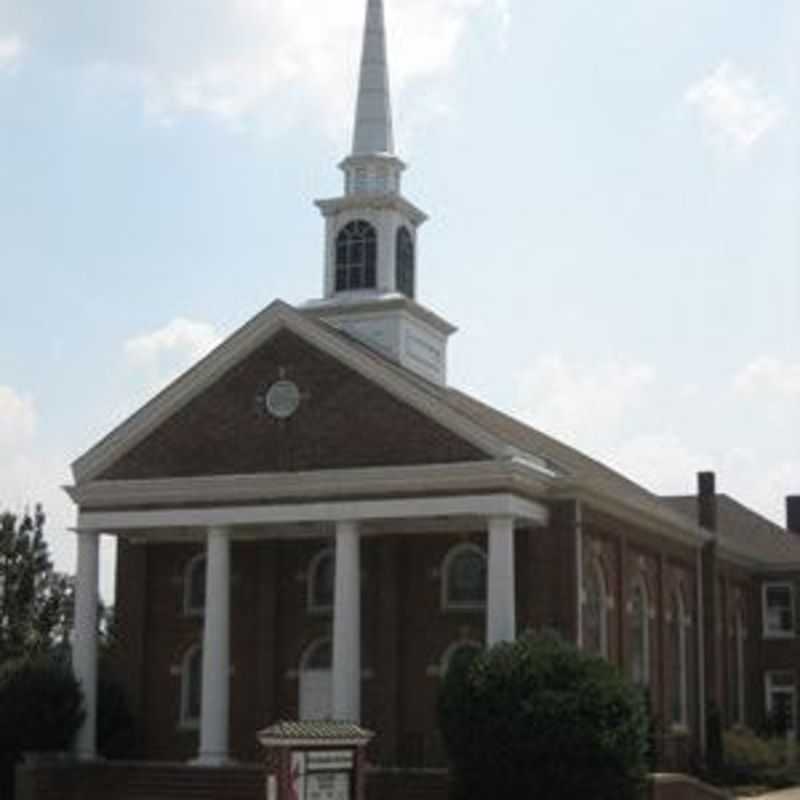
348	522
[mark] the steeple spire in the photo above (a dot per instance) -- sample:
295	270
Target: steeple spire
370	276
373	129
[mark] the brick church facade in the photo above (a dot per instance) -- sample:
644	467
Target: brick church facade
311	521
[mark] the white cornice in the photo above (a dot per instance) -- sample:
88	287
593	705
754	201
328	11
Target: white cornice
390	200
365	306
248	338
480	506
478	476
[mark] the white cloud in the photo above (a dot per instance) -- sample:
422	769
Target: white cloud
11	50
735	112
581	402
182	339
649	430
770	375
660	461
154	359
17	416
252	58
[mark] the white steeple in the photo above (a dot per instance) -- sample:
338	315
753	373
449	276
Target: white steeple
373	129
371	232
372	167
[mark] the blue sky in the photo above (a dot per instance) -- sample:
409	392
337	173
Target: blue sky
614	191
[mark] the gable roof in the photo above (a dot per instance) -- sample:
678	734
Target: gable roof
277	316
745	533
567	467
498	435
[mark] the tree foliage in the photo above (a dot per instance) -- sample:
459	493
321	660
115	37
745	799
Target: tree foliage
538	718
36	601
41	705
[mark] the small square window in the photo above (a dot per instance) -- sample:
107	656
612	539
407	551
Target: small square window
781	699
779	618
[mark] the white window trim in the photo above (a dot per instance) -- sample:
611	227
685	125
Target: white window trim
186	722
313	568
453	553
683	655
768	688
639	583
599	571
188	609
741	704
781	634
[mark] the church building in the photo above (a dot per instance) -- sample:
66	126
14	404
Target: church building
311	522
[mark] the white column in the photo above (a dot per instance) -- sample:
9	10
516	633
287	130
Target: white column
84	645
347	625
501	623
216	651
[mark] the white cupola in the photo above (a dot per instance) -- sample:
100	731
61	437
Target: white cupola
370	276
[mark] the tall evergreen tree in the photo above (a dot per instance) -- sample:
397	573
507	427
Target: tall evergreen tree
36	601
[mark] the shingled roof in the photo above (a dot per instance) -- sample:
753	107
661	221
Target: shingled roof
745	533
569	467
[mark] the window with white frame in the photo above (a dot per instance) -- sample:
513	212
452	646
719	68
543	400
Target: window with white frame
194	585
595	610
356	254
679	656
464	578
640	634
737	669
781	697
779	618
191	687
321	577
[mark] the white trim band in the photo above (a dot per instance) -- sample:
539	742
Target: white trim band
481	506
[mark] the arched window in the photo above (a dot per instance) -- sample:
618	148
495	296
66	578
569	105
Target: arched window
737	668
194	585
321	575
356	256
463	649
318	655
595	610
679	656
464	578
191	686
640	634
404	262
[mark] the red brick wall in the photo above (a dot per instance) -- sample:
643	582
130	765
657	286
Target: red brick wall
404	629
626	552
344	420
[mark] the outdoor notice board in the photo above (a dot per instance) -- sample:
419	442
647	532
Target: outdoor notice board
322	774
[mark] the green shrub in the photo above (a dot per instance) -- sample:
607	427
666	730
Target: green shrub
750	758
116	733
538	718
41	706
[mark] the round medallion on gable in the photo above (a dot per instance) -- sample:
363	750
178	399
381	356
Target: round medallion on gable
282	399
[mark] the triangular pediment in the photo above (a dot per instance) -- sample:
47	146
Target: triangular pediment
353	409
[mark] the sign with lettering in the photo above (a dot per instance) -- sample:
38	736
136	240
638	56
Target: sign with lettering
329	760
321	774
328	786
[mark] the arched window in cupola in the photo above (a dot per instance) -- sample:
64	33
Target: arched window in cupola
404	262
356	256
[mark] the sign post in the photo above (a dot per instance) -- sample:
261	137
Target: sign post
315	760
